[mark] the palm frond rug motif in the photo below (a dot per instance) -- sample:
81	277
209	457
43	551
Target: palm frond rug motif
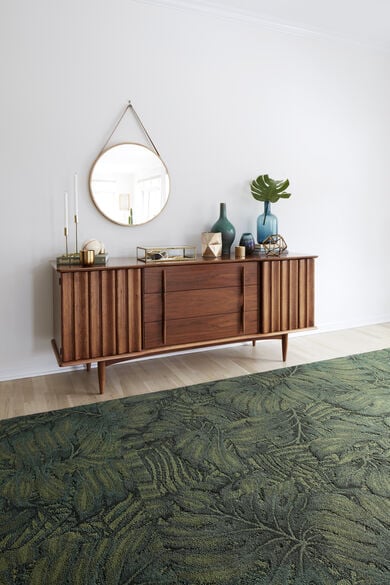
278	478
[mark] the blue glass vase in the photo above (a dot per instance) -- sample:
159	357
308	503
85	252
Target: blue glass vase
267	223
227	230
248	241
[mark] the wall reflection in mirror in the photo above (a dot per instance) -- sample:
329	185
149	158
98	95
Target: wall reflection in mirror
129	184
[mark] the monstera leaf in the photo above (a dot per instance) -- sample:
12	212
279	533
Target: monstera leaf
266	189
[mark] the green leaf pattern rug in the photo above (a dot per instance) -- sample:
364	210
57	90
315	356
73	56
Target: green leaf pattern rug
277	478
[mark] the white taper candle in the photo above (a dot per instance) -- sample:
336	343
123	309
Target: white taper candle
66	210
76	195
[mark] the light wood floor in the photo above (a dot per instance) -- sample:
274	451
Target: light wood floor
72	388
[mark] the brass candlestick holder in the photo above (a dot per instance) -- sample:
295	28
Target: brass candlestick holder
73	257
66	241
82	257
79	257
76	221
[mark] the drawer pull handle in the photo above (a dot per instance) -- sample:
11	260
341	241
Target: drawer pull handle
164	307
243	299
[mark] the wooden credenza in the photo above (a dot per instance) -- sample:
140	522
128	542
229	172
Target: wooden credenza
129	309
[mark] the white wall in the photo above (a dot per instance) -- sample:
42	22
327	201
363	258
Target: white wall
224	101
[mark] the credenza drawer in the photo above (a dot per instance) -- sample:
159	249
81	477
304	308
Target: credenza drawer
200	303
182	304
198	329
171	278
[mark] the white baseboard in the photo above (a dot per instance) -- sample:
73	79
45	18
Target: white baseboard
321	328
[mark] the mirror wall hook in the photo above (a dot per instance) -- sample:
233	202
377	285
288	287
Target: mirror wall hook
130	107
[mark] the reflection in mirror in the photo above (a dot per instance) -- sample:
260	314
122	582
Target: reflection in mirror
129	184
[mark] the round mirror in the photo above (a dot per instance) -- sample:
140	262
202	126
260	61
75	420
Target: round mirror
129	184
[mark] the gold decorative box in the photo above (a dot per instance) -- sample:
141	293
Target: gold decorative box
165	253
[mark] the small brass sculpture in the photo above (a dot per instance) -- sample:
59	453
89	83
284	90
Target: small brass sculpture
274	245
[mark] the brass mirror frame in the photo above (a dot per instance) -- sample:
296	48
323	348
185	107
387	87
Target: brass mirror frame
105	151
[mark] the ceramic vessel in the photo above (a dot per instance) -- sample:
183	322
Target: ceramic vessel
248	241
226	228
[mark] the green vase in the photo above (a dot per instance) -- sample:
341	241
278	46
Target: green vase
227	230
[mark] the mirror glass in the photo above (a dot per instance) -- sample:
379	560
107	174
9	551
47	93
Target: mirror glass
129	184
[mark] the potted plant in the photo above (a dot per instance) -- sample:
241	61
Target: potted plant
269	191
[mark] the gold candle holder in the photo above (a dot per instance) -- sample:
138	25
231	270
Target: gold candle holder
239	252
66	241
87	257
76	221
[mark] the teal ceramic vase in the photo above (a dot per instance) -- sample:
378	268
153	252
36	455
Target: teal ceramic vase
267	223
227	230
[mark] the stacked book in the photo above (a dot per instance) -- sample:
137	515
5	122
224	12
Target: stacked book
74	260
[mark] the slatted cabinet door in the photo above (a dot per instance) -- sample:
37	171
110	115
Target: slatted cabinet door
100	313
287	295
191	304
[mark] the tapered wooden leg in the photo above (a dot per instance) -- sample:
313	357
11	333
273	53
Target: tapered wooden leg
253	342
284	346
88	367
102	376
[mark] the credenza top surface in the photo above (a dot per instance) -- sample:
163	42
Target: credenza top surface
116	263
